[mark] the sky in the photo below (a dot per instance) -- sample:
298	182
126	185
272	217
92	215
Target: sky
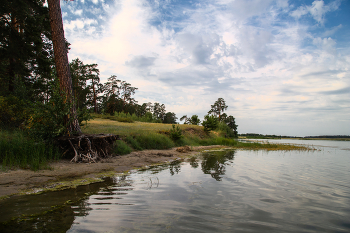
283	67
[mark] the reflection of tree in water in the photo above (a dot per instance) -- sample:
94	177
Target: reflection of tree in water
214	163
193	162
175	167
59	218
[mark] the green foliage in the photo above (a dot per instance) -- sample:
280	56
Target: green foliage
133	142
17	150
26	50
154	141
218	107
13	112
175	133
150	141
170	118
231	123
121	148
159	111
226	130
148	117
193	120
48	119
210	122
125	119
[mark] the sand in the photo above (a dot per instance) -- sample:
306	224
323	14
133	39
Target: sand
15	182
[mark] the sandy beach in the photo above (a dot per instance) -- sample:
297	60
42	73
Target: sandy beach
63	173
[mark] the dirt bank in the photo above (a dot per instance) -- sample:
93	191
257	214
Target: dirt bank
20	181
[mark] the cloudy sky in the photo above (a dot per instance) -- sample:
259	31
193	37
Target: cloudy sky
283	67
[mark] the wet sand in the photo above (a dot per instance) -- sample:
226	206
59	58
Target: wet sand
20	181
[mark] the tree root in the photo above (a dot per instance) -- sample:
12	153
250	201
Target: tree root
87	148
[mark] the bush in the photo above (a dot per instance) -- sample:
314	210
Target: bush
226	130
121	148
131	141
175	133
210	122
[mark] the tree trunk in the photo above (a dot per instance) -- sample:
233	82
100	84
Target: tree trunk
94	92
62	64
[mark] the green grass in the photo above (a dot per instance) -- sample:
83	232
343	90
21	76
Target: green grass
17	150
99	125
142	135
121	148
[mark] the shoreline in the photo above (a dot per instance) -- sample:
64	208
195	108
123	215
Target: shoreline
65	174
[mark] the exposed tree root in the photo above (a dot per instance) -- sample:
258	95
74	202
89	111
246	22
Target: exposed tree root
87	147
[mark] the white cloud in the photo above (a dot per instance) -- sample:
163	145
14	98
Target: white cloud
331	31
261	69
317	10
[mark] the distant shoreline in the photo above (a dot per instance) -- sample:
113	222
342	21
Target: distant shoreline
330	137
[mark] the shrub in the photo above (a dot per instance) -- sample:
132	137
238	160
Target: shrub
175	133
154	141
134	143
210	122
121	148
226	130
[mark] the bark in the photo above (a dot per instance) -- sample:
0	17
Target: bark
62	64
94	92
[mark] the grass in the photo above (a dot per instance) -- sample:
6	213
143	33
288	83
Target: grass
99	125
142	135
17	150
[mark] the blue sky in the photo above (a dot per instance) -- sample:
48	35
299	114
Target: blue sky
282	66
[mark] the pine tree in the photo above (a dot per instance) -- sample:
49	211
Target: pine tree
62	65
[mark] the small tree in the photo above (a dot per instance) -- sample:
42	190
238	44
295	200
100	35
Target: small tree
210	122
195	120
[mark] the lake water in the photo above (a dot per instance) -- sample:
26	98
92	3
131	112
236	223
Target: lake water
223	191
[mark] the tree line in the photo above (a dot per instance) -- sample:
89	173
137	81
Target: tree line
215	119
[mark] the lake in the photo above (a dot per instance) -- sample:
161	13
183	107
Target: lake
219	191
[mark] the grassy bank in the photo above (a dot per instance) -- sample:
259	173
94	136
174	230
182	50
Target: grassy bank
17	150
142	135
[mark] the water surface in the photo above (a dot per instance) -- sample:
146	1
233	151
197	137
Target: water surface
224	191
